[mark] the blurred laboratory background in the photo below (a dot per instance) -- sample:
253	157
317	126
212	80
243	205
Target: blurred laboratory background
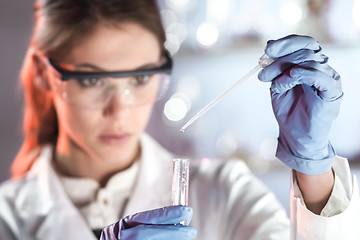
214	43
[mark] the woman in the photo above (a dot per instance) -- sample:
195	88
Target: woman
91	76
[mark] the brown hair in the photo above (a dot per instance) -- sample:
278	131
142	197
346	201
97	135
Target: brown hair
59	26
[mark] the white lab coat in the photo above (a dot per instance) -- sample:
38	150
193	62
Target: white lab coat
228	203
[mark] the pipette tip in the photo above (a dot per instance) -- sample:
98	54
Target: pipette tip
182	129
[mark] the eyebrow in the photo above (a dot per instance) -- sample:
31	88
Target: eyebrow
97	68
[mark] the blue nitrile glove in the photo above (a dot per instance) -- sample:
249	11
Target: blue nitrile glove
306	94
161	223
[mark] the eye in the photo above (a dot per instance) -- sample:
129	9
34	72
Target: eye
140	80
91	82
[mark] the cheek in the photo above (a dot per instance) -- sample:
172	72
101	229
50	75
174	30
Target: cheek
75	121
141	116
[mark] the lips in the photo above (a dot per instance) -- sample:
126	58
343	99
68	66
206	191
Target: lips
115	139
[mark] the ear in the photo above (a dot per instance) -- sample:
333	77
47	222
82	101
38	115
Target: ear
41	73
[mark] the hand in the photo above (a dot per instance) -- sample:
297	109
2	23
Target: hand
306	94
162	223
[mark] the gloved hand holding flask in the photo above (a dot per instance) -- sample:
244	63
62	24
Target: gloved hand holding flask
306	94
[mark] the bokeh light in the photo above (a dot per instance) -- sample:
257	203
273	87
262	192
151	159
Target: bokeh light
176	107
291	13
168	17
207	34
178	5
178	29
217	11
172	43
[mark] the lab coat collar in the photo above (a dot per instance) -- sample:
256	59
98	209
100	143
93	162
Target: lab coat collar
59	208
153	187
152	190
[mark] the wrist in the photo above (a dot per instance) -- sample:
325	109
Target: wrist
315	189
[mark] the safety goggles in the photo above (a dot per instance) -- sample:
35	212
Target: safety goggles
94	90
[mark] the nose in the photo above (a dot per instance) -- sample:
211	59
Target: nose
119	103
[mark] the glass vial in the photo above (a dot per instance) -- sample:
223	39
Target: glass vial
180	182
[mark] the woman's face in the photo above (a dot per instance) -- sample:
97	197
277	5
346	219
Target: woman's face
110	134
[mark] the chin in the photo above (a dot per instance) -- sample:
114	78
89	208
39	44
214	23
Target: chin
115	153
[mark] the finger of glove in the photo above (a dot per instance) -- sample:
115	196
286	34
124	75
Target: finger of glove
165	215
290	44
281	64
322	67
159	232
327	87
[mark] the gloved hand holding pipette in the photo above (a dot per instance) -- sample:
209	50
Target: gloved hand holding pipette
306	94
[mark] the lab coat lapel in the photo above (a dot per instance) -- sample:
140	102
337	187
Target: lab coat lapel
62	213
153	187
152	190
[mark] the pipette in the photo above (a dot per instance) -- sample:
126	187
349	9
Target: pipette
263	62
